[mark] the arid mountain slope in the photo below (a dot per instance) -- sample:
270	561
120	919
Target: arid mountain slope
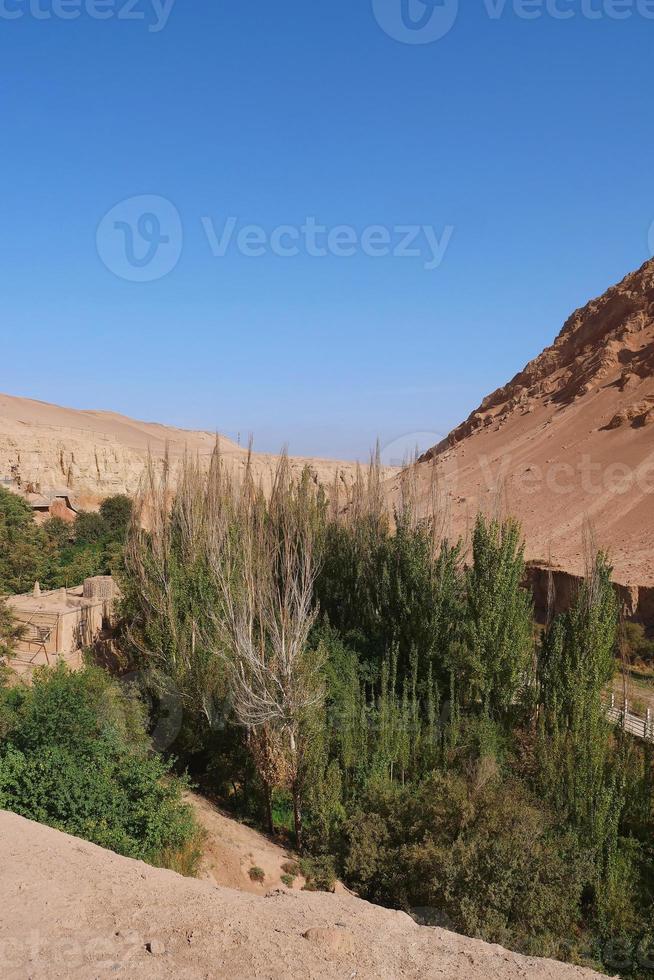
95	454
571	437
73	910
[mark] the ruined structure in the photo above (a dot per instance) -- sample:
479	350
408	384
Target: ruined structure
55	503
60	625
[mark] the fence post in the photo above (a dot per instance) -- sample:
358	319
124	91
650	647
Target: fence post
648	724
612	700
625	712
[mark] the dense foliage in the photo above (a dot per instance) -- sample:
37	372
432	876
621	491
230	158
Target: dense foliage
23	552
58	553
349	675
453	765
635	646
10	631
74	754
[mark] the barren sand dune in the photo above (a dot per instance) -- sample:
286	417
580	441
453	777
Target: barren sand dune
571	437
94	454
74	910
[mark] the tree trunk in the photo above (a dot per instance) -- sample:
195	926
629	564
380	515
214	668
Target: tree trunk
297	817
269	813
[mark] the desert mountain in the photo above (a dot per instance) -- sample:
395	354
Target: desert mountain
74	910
570	438
91	454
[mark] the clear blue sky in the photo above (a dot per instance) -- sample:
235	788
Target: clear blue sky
532	138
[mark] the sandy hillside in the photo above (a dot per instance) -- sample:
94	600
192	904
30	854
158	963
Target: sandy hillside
94	454
231	849
74	910
570	437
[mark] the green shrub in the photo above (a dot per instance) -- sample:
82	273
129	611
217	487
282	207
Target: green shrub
479	850
637	647
257	874
319	874
185	859
288	880
74	755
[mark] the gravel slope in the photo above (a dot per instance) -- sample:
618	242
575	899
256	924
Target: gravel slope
74	910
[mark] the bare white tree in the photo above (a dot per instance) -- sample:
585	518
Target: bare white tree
223	578
264	556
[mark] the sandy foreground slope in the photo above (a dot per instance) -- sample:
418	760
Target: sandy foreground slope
74	910
569	439
231	848
95	454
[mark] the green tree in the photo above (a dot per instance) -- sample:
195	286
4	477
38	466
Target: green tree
75	755
116	512
495	653
89	528
60	533
391	585
581	771
23	546
10	631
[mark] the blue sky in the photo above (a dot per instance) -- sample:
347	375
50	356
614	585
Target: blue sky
531	140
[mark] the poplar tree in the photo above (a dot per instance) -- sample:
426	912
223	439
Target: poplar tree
497	629
581	770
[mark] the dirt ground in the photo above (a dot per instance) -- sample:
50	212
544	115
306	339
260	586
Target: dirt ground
231	849
73	911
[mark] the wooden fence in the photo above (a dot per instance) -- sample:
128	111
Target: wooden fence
641	727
